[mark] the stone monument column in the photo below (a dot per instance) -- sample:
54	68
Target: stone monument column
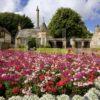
37	10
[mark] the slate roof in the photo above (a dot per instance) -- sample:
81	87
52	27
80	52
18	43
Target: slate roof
4	29
43	27
28	32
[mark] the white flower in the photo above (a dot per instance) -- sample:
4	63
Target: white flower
95	91
30	97
98	71
80	84
97	83
47	97
33	74
63	97
2	98
27	91
42	89
91	95
77	97
16	98
85	84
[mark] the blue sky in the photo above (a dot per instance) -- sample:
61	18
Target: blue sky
24	2
88	9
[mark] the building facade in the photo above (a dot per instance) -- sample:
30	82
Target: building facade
5	38
95	41
40	33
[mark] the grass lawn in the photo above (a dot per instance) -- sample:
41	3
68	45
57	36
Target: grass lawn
63	50
52	50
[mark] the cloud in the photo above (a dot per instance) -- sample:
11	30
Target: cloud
8	5
88	9
83	7
48	7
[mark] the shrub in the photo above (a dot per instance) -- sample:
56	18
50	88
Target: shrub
31	42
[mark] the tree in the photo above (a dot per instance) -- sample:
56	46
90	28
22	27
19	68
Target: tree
11	21
68	19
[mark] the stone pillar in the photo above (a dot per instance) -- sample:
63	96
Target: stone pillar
64	43
72	42
16	42
45	41
54	42
37	17
82	44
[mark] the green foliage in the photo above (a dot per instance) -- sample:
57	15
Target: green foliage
7	86
31	42
70	21
80	90
22	46
36	90
11	21
52	50
8	93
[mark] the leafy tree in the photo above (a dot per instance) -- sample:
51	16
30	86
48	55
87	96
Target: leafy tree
66	22
11	21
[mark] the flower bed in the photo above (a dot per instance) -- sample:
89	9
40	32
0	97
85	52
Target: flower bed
27	73
92	94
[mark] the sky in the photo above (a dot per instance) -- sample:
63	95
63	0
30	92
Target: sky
88	9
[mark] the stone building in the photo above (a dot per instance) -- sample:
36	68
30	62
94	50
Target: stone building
95	41
5	38
80	42
40	33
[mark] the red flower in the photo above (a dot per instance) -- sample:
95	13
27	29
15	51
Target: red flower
41	77
2	87
61	83
91	76
50	82
18	68
50	89
54	90
16	90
